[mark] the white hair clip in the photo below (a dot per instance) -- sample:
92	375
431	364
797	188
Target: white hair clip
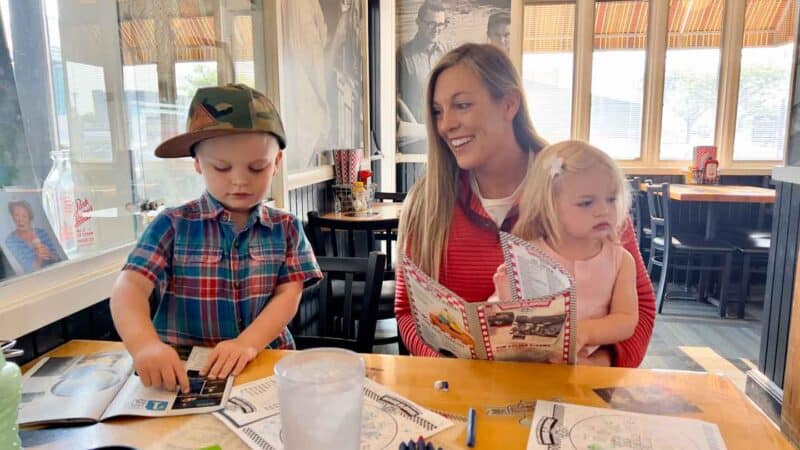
556	166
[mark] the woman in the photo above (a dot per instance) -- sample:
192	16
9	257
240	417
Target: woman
480	141
31	247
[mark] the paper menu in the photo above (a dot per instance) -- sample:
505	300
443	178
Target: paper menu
440	315
536	324
93	387
533	273
253	413
562	426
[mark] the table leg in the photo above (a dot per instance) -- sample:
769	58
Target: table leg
711	221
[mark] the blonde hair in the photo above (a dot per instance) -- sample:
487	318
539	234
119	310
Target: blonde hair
538	217
425	220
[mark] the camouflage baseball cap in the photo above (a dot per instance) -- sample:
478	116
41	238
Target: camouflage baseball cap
222	111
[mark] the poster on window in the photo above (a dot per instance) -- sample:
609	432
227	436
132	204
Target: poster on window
26	238
426	30
322	79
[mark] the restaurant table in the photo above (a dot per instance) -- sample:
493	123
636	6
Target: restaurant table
715	195
380	222
507	388
378	212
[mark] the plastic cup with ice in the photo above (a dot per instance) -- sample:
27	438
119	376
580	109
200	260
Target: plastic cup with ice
321	395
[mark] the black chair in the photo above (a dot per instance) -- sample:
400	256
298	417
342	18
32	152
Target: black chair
389	237
332	237
347	322
689	251
635	211
754	248
753	243
396	197
763	226
755	251
638	217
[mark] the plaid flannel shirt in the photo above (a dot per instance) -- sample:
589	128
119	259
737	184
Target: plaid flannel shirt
213	282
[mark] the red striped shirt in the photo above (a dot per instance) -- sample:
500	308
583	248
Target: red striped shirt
472	255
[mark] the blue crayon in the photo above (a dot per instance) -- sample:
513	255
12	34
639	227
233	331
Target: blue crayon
471	428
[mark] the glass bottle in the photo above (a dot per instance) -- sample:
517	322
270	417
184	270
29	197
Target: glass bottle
360	201
10	394
86	232
58	199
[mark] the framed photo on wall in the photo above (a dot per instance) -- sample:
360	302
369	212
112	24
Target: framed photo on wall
322	79
426	30
26	237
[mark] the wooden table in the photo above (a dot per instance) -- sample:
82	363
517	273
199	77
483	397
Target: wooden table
714	194
378	212
721	193
478	384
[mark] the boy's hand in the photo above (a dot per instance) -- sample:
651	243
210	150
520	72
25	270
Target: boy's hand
228	357
158	365
501	285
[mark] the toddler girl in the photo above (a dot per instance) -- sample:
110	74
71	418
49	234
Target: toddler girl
573	204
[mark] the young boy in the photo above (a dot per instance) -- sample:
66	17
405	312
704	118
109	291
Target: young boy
228	269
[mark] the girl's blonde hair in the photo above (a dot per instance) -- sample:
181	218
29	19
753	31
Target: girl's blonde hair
538	217
428	210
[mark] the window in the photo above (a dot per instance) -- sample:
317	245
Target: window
618	77
143	107
244	69
765	80
651	121
89	119
97	86
691	78
190	76
547	68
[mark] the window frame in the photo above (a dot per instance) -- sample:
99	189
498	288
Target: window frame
650	162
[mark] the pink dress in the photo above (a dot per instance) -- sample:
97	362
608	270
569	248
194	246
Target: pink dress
594	280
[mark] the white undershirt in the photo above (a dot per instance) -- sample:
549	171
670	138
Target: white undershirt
497	208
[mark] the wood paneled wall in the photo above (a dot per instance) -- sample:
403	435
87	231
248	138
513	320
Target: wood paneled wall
319	196
314	197
408	174
780	283
790	413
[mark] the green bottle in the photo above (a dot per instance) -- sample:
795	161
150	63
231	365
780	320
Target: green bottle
10	394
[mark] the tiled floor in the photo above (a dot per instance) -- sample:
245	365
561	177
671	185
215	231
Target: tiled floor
691	336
